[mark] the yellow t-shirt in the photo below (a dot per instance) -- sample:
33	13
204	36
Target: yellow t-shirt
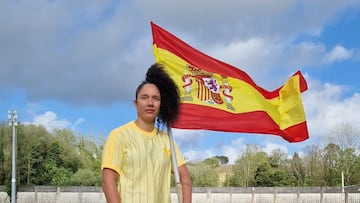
143	161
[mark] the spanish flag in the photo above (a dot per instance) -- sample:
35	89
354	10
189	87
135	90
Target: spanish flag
217	96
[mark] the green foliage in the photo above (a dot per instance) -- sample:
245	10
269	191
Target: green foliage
214	162
44	158
86	177
278	158
5	149
203	175
268	176
314	166
223	159
298	170
330	160
263	176
58	176
246	165
63	158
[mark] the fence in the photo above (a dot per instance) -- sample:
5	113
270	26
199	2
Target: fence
78	194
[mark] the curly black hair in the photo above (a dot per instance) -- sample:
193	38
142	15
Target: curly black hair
170	98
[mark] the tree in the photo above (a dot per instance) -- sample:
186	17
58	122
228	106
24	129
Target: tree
347	140
345	136
86	177
203	175
354	177
263	176
3	149
314	166
332	174
223	159
70	152
33	144
213	162
268	175
90	153
349	165
49	159
278	158
246	165
298	170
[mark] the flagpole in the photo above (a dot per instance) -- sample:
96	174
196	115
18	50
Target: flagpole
176	170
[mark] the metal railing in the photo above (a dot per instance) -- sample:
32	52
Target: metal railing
79	194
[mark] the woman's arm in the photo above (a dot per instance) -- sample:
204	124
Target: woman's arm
110	178
185	181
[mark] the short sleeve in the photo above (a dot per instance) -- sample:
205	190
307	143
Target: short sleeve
179	157
112	157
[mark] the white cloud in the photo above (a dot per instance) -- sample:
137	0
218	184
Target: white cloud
326	106
274	19
50	121
251	55
194	155
338	53
60	42
233	151
77	123
259	56
269	147
187	138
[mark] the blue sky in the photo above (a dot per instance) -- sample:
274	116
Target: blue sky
66	64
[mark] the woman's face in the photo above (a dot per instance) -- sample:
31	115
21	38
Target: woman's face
148	103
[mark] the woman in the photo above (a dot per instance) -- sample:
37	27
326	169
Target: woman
136	165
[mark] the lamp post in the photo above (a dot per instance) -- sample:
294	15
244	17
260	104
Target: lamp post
13	121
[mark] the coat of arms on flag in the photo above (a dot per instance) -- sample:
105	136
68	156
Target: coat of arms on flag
207	87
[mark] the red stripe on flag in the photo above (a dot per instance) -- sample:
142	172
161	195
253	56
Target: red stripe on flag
252	122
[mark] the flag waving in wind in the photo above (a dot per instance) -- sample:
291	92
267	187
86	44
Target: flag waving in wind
217	96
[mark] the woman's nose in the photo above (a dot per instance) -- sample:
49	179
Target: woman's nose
151	102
